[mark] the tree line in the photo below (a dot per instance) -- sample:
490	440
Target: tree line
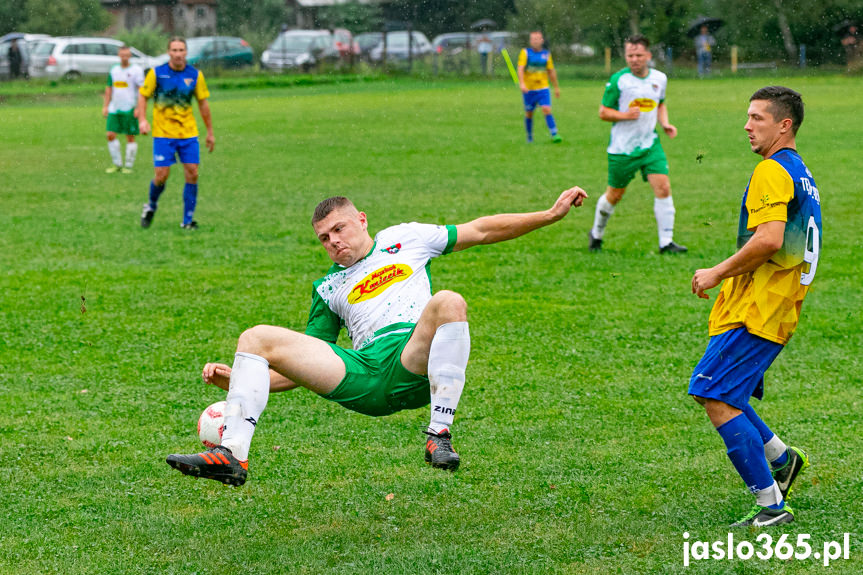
762	29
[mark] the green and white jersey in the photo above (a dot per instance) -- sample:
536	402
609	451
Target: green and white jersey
625	90
383	293
124	84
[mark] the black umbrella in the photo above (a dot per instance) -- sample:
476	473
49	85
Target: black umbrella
713	24
842	28
484	24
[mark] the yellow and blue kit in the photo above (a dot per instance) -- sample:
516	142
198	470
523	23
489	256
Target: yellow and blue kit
767	301
173	116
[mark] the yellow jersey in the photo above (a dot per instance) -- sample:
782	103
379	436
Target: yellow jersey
173	116
767	301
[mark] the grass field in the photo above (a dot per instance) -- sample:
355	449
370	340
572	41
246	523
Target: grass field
581	452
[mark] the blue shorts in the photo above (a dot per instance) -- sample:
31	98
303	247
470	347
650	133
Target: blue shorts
733	366
164	150
535	98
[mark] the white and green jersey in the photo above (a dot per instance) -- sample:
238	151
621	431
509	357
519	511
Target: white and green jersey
383	293
124	84
625	90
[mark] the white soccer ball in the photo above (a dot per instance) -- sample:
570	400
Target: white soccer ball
211	424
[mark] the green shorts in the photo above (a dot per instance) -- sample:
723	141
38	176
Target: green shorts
376	383
622	167
122	123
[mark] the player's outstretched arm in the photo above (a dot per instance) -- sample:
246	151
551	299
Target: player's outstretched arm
219	374
766	241
502	227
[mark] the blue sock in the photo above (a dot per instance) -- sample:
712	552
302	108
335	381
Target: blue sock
190	198
528	125
765	433
746	452
155	192
552	127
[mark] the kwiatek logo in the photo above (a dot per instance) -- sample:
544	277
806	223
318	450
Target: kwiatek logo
379	280
393	249
643	104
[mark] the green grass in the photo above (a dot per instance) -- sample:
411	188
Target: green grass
581	451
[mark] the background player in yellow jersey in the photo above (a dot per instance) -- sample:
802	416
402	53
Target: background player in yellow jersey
756	312
175	133
535	69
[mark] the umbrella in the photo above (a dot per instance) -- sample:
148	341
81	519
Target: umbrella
713	24
841	28
484	24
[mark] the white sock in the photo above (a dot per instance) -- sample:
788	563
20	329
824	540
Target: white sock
131	151
450	349
769	496
774	448
604	209
247	398
663	209
114	150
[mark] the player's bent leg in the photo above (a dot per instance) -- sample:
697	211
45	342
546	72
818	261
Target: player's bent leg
444	307
305	360
440	346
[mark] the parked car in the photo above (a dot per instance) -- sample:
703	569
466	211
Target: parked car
398	46
216	52
454	42
25	42
345	44
300	50
368	40
458	41
71	57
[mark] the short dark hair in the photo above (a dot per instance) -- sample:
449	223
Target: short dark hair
329	205
784	103
638	39
123	47
177	39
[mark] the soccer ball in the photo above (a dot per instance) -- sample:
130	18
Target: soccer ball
211	424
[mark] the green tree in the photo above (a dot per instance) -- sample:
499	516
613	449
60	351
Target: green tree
65	17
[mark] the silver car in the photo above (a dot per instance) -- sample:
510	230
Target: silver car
25	42
300	49
71	57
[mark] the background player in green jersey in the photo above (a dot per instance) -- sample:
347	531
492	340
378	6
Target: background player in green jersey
121	98
634	101
410	347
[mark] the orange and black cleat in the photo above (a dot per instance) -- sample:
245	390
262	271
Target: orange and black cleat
217	463
439	451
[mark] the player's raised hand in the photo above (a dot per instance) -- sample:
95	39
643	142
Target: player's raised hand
217	374
704	280
574	196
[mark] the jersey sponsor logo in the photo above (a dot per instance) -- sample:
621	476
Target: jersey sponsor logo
643	104
378	281
393	249
121	84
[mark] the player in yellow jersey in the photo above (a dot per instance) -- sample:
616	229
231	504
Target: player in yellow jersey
535	69
173	86
756	312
